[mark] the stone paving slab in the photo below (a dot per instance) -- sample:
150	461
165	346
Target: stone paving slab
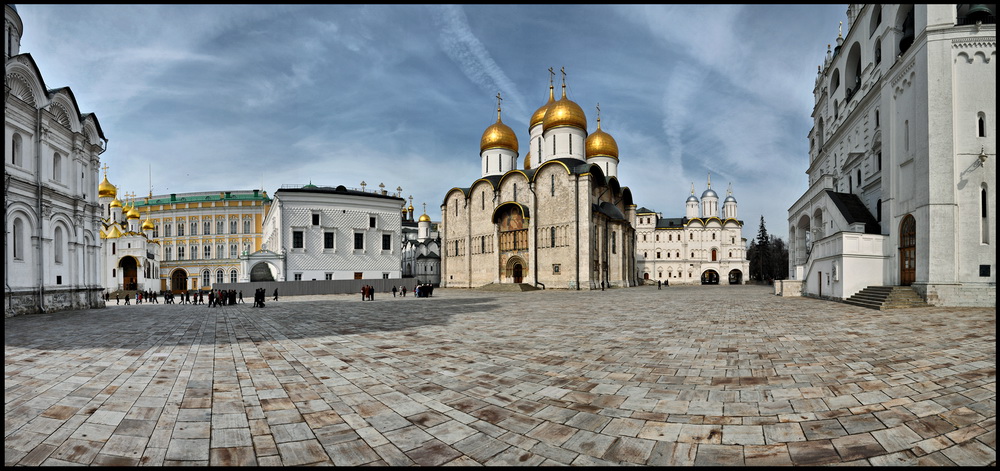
700	375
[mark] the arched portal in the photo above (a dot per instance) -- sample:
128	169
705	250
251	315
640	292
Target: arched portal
130	269
178	280
710	277
514	269
261	272
645	276
907	250
736	277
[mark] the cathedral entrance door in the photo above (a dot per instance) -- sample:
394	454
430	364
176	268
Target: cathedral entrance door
518	273
178	280
908	250
129	273
710	277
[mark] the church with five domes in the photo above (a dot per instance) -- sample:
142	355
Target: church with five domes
561	220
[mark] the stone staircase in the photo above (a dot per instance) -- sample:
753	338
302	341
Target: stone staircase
508	287
887	297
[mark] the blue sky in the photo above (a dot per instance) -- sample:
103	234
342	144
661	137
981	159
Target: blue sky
213	97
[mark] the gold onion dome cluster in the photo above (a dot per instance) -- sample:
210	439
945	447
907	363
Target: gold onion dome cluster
601	144
106	189
564	112
498	135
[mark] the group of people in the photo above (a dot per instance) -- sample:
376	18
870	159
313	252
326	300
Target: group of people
420	291
225	298
368	292
258	296
149	296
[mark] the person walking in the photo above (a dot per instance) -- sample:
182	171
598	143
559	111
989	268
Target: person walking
118	299
275	294
241	297
394	291
127	298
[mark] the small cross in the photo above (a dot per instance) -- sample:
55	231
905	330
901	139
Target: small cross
105	170
552	76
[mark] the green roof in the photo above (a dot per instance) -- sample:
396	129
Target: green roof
203	197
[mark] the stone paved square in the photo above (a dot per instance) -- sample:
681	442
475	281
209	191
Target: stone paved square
720	375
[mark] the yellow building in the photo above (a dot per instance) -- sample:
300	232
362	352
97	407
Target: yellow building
203	235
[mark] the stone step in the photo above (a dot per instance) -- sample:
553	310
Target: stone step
886	297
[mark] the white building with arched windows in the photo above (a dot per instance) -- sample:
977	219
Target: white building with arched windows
902	159
52	156
705	246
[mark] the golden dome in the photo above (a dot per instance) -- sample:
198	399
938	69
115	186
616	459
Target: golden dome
601	144
410	207
133	213
498	135
148	225
527	161
540	113
424	218
116	203
113	233
564	113
106	189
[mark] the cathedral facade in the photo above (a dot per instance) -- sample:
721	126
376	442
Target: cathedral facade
902	176
52	154
562	220
130	255
703	247
421	249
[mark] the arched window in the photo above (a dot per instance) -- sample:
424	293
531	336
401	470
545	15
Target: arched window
18	239
552	235
207	227
220	250
232	227
166	254
982	125
246	226
232	276
835	81
180	252
232	251
180	229
984	211
219	274
220	226
16	150
194	227
208	251
57	167
194	252
57	245
206	278
715	255
878	210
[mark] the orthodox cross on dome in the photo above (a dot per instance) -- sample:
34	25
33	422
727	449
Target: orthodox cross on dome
709	180
498	105
105	170
411	200
425	208
552	76
840	30
692	188
598	115
563	70
729	192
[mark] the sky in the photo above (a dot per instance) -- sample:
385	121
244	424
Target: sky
213	97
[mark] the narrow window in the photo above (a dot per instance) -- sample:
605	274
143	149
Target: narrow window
232	227
982	126
315	217
552	185
482	200
180	229
246	226
515	192
180	253
232	276
232	251
614	243
359	241
570	136
208	253
984	214
194	228
57	167
386	242
371	221
15	150
297	240
553	145
552	236
219	276
18	242
57	245
327	240
208	227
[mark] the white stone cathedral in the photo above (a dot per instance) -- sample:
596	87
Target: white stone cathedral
52	153
129	253
561	221
902	158
703	247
